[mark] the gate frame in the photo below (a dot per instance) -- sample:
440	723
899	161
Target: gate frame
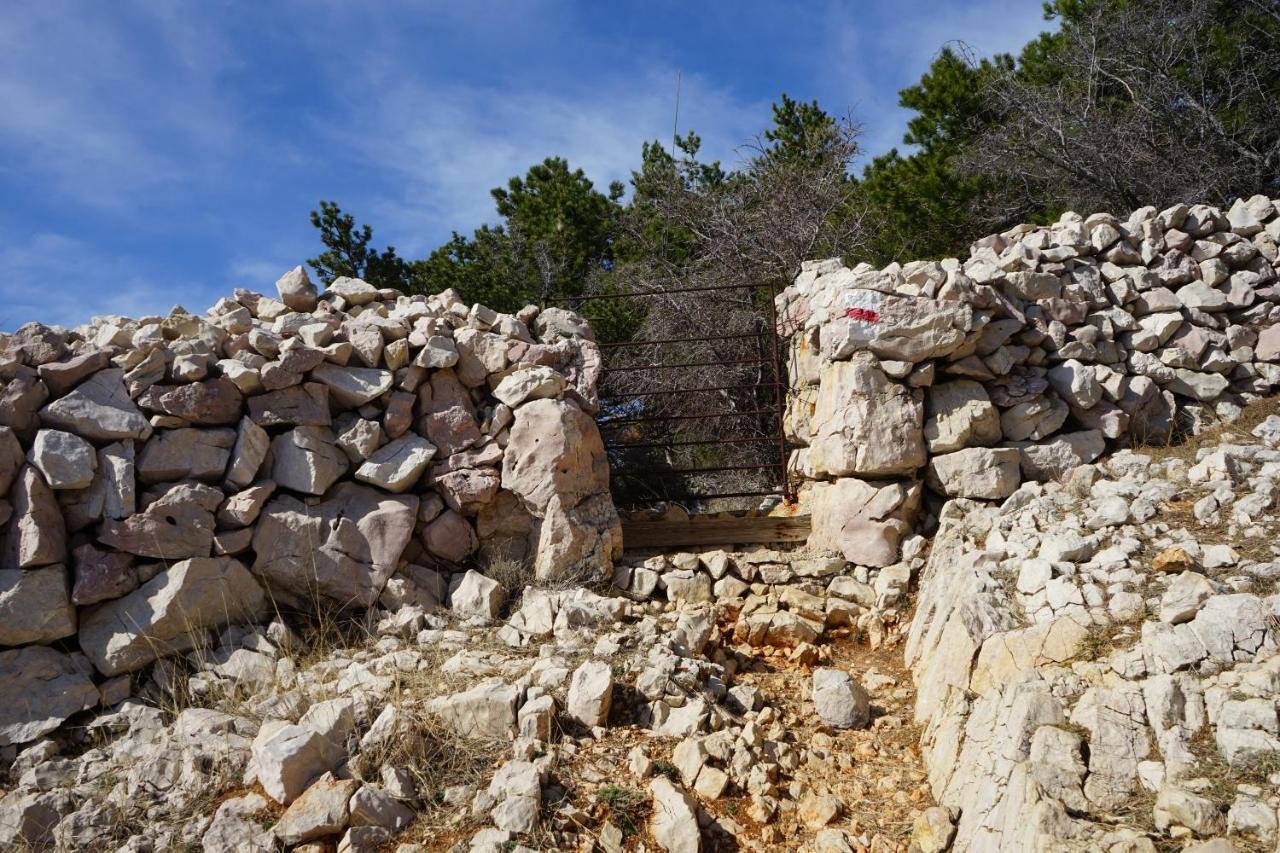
778	385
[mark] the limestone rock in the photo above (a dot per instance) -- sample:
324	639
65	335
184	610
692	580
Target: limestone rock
864	521
580	542
355	291
839	700
958	415
287	758
307	459
300	405
353	386
169	613
529	383
590	694
321	810
864	424
176	525
343	548
296	290
99	409
11	458
67	461
472	596
247	454
101	575
181	454
450	537
61	376
555	451
213	402
674	821
448	417
397	466
50	686
36	534
485	711
35	606
976	472
1052	459
238	825
243	508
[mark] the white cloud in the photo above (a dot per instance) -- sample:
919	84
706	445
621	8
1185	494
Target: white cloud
107	105
449	144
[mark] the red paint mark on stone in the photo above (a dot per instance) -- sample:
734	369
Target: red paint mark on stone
864	314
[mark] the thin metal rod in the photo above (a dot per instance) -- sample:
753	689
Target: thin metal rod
594	296
632	368
621	444
688	497
779	394
678	391
604	422
618	344
671	472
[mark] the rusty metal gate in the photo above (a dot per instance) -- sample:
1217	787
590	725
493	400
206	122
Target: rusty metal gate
692	399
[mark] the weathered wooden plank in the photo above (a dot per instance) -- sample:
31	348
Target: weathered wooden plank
698	531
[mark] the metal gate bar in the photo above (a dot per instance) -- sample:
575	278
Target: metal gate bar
631	424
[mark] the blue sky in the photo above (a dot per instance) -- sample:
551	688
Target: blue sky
154	153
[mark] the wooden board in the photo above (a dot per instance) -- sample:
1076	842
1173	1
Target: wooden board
699	532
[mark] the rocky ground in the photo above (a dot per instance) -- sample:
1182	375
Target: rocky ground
565	720
1091	665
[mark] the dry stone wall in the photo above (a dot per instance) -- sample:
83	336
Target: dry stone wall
165	476
1046	346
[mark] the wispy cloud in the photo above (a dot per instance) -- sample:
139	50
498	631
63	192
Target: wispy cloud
448	146
121	105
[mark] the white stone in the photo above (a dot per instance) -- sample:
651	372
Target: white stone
66	460
397	466
839	700
590	694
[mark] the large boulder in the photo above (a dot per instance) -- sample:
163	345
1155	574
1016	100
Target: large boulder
353	386
555	450
36	534
865	424
892	327
99	409
35	606
343	548
42	688
66	460
178	524
861	520
180	454
170	613
213	402
976	472
307	459
397	466
958	415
